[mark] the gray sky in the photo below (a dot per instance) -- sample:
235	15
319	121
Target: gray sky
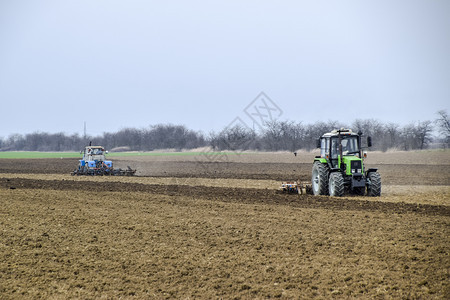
117	64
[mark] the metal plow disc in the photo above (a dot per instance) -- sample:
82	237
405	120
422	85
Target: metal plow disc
296	187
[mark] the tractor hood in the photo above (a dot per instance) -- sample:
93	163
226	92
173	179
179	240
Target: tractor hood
353	165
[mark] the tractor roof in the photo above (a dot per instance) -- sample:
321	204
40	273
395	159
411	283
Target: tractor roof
336	132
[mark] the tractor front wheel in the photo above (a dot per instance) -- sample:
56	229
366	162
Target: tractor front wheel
320	179
336	185
374	187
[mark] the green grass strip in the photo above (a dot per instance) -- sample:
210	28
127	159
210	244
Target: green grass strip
33	154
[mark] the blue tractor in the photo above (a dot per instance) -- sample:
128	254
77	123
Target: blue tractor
95	163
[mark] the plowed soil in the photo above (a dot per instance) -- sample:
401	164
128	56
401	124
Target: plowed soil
401	174
196	228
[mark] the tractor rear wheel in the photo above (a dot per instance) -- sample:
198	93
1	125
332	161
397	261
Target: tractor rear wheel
336	184
320	178
374	187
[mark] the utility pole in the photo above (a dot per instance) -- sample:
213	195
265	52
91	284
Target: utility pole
84	136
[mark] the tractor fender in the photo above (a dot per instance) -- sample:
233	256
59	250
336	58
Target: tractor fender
370	171
321	160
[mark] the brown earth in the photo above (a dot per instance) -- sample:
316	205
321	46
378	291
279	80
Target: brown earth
219	230
394	174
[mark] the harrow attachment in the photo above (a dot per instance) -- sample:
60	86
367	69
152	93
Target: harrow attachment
104	172
296	187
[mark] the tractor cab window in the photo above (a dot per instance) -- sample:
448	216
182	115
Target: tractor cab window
350	145
97	151
325	147
334	152
334	148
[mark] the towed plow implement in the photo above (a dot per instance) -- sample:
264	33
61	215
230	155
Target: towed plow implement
296	187
104	171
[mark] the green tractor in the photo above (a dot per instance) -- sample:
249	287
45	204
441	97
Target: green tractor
340	166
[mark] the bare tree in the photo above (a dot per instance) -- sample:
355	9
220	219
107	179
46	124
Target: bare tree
416	136
423	133
283	135
443	124
168	136
236	138
391	138
272	136
312	132
373	128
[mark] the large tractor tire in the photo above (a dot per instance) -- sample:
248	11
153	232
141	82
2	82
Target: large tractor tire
336	184
320	178
374	187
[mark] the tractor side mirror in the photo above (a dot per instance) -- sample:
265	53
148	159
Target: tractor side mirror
318	143
369	141
106	152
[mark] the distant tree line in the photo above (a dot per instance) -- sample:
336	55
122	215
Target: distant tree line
161	136
274	136
292	136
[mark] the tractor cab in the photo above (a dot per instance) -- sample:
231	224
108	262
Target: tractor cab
338	144
94	153
94	159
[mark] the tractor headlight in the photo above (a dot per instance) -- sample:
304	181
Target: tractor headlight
359	170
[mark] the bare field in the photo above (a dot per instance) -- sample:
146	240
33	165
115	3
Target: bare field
267	166
214	229
423	157
419	194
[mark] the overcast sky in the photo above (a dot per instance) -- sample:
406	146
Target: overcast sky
117	64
